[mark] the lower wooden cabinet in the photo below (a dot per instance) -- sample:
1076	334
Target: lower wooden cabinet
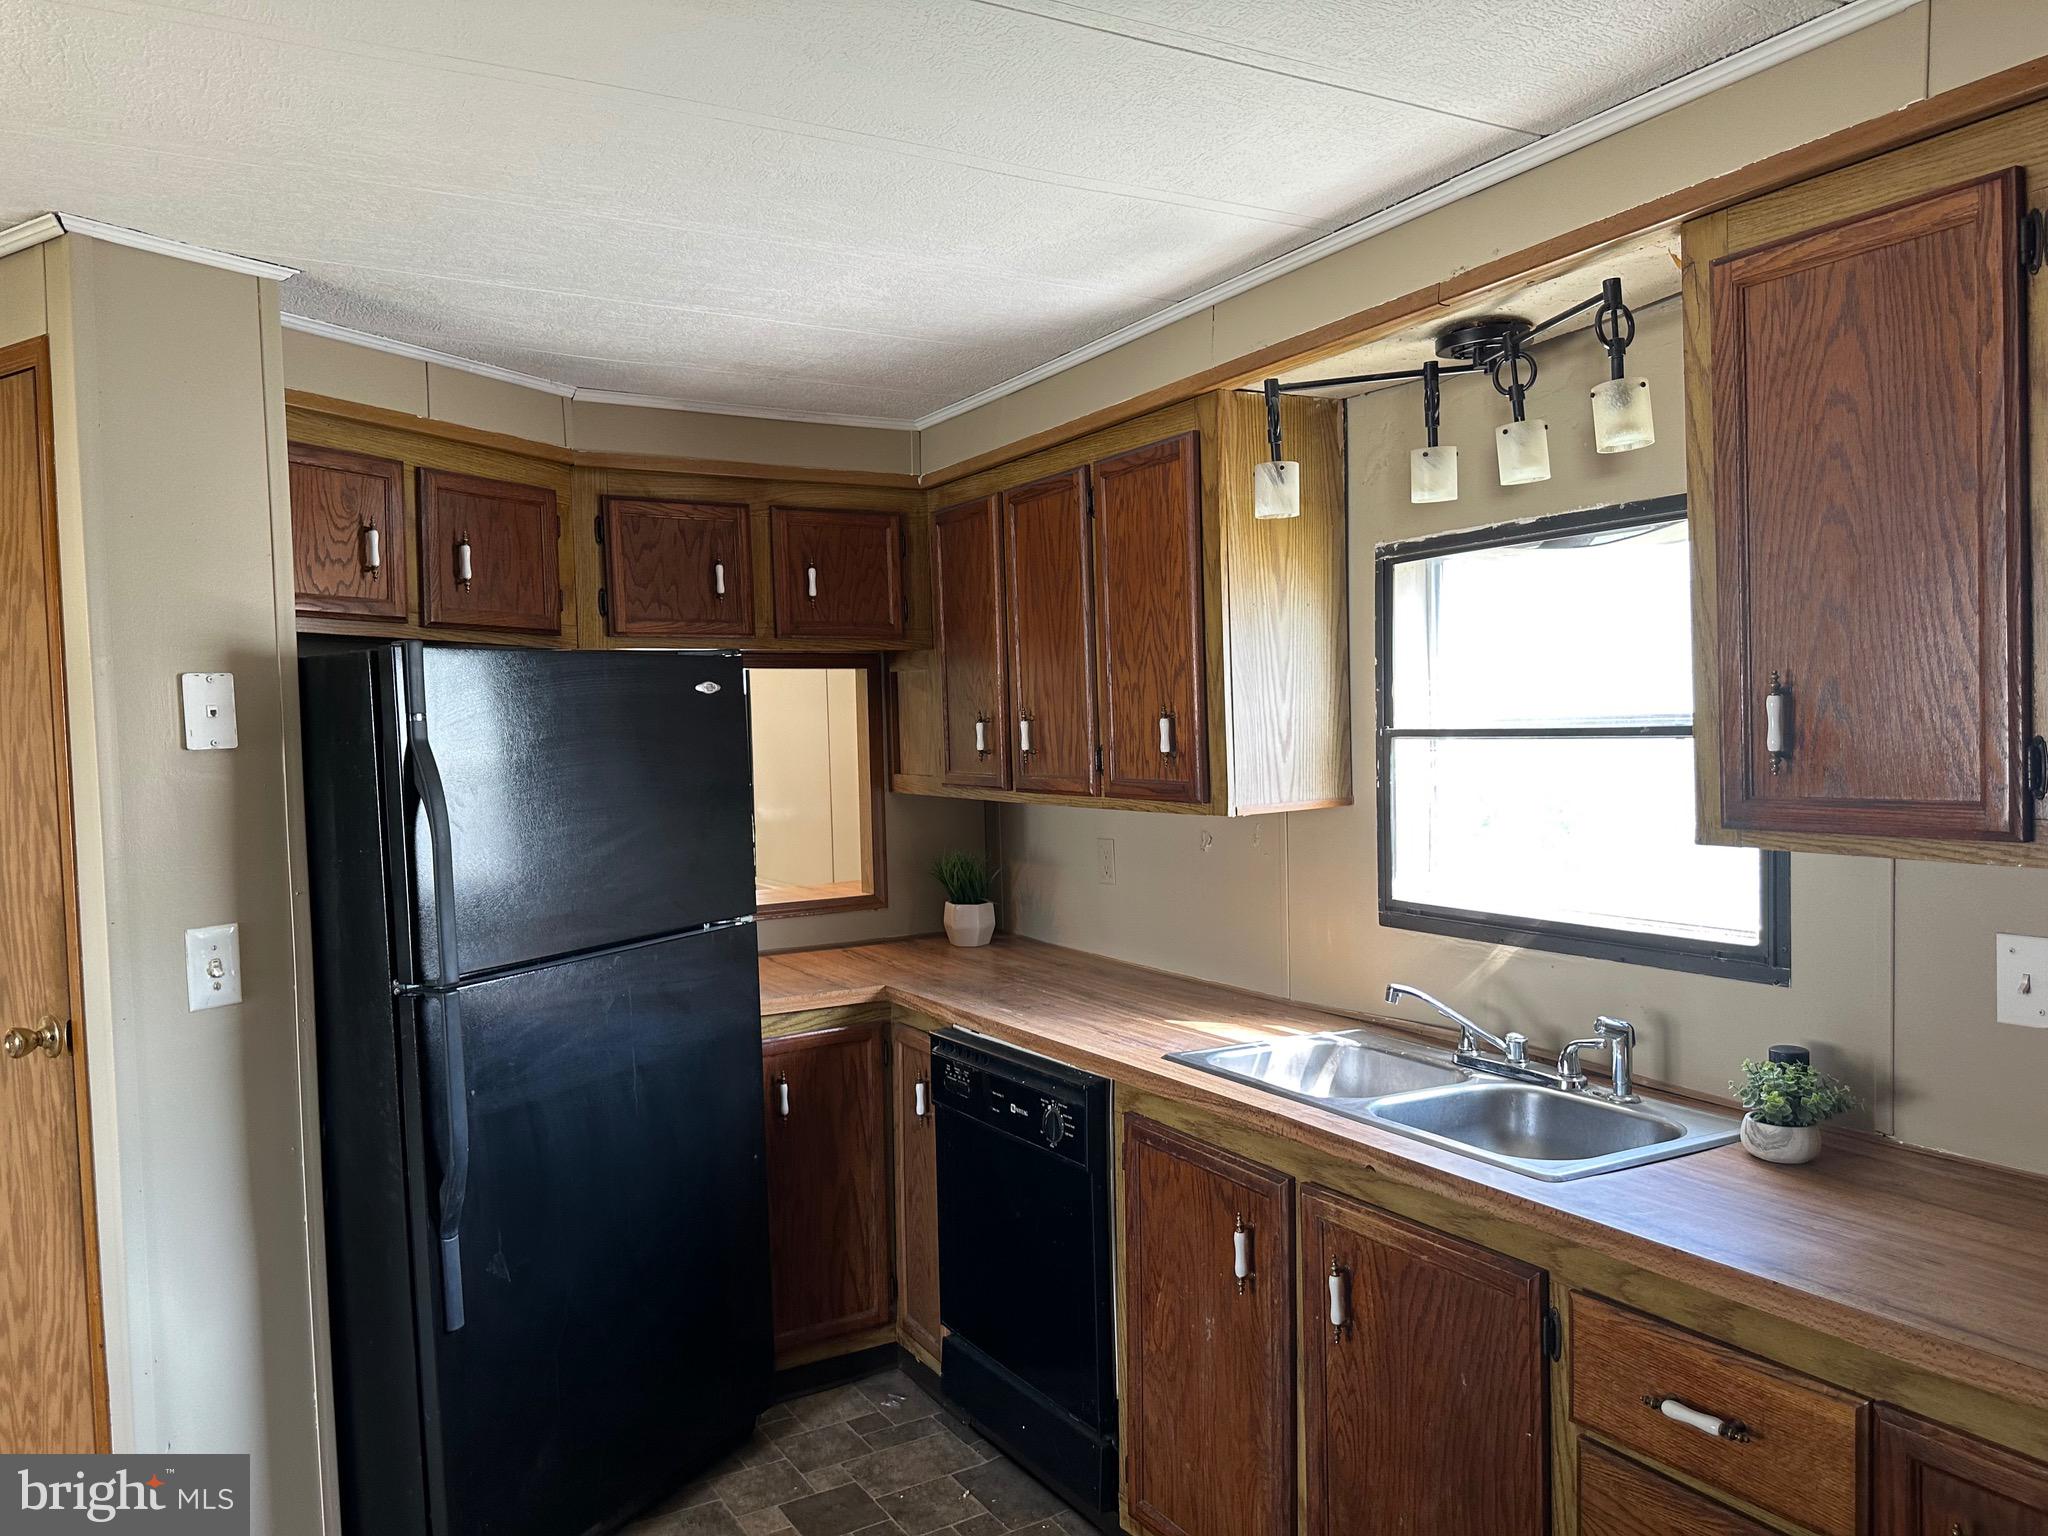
1424	1376
828	1199
1932	1481
1619	1498
917	1193
1208	1339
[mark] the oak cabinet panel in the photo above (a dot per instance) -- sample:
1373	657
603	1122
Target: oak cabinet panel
1148	574
1052	635
838	574
1208	1356
348	533
1868	451
1933	1481
828	1200
1619	1498
489	554
1427	1405
967	565
677	568
917	1193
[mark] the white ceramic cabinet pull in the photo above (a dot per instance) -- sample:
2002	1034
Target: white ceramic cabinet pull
811	580
464	570
918	1093
1024	735
1774	722
981	738
1241	1253
782	1095
1692	1418
1340	1311
373	547
718	577
1166	735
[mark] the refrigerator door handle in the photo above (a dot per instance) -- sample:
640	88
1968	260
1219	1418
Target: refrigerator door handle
448	1085
425	773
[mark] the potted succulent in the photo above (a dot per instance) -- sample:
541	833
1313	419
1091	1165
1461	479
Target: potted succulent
1785	1103
970	914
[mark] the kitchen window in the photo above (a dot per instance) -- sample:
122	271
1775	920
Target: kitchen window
1536	753
818	785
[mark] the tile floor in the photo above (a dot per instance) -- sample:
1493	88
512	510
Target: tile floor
878	1458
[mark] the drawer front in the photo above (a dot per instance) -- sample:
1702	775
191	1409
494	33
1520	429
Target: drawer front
1791	1445
1619	1498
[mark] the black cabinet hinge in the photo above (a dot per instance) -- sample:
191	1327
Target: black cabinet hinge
1098	759
2037	768
604	607
1553	1334
2031	241
597	529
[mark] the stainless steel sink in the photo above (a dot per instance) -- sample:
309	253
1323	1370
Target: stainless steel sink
1545	1133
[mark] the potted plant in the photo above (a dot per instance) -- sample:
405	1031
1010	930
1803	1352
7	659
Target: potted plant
970	914
1784	1104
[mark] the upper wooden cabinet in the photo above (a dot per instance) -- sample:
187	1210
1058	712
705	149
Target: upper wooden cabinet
1208	1339
1148	585
1932	1481
677	568
1052	635
348	532
968	625
1858	463
1424	1378
489	554
838	574
828	1197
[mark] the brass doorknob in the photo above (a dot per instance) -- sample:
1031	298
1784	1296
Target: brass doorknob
47	1037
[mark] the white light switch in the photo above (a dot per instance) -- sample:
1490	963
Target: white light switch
209	710
213	966
2022	981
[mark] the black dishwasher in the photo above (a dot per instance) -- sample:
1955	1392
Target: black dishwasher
1026	1290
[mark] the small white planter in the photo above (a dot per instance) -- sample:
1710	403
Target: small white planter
971	926
1780	1143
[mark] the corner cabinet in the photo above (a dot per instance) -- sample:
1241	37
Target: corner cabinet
1146	642
1858	442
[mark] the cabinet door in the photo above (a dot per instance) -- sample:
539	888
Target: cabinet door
967	567
348	533
1619	1498
838	575
677	568
1148	580
917	1194
1052	635
1208	1353
1869	525
828	1202
1426	1402
1933	1481
489	554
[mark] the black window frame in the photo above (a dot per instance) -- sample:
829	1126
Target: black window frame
1768	962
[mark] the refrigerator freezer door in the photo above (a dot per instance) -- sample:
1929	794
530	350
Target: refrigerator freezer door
614	1236
590	799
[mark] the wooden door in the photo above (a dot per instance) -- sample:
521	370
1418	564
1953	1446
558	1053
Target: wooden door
50	1347
1052	635
348	533
1208	1378
1869	522
838	575
1427	1405
917	1194
489	554
1619	1498
677	569
1933	1481
828	1199
1148	582
967	585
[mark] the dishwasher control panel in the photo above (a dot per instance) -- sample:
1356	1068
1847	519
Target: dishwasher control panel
1013	1098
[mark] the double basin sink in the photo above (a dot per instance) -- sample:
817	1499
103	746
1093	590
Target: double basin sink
1546	1133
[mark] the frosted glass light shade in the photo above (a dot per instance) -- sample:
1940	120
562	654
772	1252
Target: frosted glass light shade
1276	489
1433	474
1524	449
1621	416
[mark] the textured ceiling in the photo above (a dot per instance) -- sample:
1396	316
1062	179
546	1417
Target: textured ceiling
865	207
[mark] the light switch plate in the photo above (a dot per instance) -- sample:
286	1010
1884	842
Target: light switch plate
213	966
2022	981
209	710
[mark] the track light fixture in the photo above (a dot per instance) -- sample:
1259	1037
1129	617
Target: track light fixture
1499	348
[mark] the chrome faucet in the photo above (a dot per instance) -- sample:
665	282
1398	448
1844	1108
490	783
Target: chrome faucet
1617	1037
1513	1060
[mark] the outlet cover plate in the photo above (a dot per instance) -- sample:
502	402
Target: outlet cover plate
213	966
2022	981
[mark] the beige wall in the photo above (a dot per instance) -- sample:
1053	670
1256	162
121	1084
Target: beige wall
169	422
1891	967
22	312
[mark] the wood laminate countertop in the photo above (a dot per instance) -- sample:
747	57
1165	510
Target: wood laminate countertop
1936	1262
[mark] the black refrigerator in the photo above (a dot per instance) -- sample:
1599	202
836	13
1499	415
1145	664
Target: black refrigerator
538	1016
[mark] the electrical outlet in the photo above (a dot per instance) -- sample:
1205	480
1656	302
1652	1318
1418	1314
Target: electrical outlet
1105	860
2022	981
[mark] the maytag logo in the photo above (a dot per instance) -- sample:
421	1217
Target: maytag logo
165	1496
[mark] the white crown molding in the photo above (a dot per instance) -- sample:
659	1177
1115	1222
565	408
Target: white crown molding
1790	44
420	354
29	232
160	245
712	408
